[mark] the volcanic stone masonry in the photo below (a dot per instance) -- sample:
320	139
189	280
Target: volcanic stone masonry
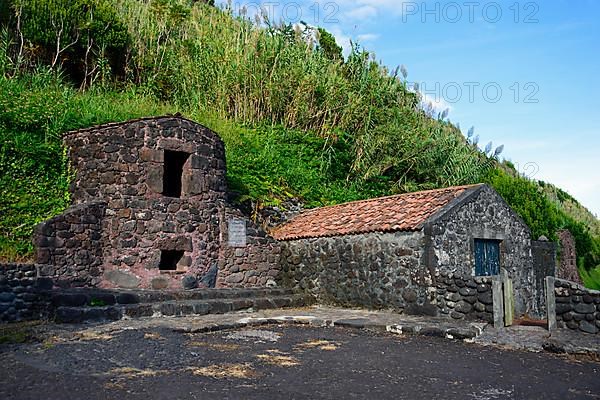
577	308
419	258
150	211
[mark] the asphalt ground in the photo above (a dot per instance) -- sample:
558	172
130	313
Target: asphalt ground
284	362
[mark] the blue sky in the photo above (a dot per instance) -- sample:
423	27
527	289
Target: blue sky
544	58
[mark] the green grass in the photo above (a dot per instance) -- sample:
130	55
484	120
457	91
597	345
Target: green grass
20	332
590	278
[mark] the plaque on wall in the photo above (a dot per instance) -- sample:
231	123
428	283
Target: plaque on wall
236	233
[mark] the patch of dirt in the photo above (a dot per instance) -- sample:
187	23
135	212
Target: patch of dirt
153	336
91	335
279	360
221	371
215	346
320	344
129	372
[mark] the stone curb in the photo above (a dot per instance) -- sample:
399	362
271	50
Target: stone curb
448	332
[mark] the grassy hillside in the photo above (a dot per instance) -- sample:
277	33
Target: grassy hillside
298	119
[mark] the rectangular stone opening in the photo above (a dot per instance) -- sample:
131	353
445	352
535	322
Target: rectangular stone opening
169	259
173	172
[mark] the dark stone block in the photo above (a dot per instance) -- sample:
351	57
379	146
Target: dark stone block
139	310
222	307
201	308
69	300
100	298
7	297
409	295
587	327
567	316
209	280
168	309
264	304
588	299
432	331
189	282
560	299
465	291
485	298
562	308
127	298
461	333
578	317
243	304
584	308
457	315
69	315
425	309
44	284
463	307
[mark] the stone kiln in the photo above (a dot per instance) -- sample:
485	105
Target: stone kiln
150	211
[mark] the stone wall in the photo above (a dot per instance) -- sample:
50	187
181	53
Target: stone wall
120	160
568	258
382	271
577	308
464	297
374	270
71	245
485	215
21	292
254	264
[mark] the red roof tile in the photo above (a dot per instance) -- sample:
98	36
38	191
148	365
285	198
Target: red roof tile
404	212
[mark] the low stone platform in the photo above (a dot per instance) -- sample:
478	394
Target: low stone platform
94	305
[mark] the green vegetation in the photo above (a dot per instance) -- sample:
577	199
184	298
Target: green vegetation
18	332
590	278
297	118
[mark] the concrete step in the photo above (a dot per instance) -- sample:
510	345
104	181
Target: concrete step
102	297
177	308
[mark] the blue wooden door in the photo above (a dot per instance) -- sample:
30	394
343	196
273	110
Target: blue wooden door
487	257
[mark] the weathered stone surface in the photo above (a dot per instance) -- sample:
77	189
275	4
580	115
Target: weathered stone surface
189	282
122	217
583	308
588	327
575	307
159	283
122	279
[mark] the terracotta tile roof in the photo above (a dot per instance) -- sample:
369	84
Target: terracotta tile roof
404	212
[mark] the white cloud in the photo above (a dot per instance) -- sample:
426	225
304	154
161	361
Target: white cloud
361	12
367	37
365	9
437	102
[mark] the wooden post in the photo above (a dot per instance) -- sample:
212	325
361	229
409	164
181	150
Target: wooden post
551	303
498	302
509	300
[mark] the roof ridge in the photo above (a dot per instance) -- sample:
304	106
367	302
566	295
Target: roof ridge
129	121
450	188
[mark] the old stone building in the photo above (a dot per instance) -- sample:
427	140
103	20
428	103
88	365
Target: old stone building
150	211
431	252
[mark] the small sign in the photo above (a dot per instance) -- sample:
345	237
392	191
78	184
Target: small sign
236	236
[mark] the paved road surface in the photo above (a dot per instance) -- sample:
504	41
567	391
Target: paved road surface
284	362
